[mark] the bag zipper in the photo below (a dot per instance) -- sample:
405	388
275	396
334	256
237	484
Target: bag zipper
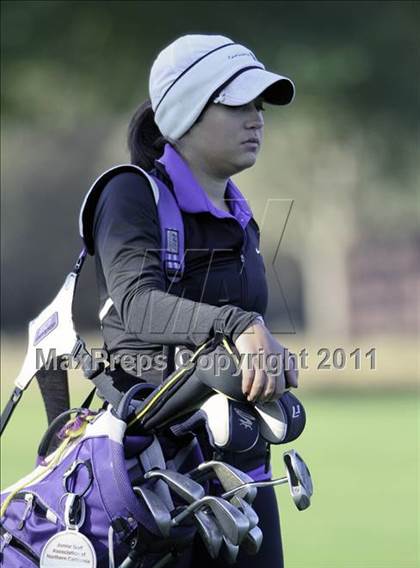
33	502
29	498
11	540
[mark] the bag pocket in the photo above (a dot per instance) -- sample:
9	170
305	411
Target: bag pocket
30	521
16	553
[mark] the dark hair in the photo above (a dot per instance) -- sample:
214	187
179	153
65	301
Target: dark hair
145	140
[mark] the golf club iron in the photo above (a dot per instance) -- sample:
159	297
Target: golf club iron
185	487
228	476
157	509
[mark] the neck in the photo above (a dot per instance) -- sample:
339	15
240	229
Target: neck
212	183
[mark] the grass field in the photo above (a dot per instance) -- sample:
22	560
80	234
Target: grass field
362	449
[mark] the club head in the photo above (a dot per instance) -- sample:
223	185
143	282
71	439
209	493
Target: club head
247	510
209	531
186	488
299	478
234	523
230	478
157	509
229	551
253	540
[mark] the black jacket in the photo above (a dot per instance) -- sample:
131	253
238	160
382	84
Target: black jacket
221	290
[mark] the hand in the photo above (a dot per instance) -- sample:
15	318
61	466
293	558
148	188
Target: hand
262	363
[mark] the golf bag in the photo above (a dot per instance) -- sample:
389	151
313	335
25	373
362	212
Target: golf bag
91	493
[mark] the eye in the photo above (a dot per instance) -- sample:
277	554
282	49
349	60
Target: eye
259	105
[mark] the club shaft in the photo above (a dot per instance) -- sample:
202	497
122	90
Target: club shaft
269	483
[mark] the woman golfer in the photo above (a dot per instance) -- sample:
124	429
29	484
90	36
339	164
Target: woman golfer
203	124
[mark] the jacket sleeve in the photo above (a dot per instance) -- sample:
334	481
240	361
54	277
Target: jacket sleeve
128	242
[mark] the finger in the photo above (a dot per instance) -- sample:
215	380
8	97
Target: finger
292	378
258	385
280	386
247	380
270	388
291	371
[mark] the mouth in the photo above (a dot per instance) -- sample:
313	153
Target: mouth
251	142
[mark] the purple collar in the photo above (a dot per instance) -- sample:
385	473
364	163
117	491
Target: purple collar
191	196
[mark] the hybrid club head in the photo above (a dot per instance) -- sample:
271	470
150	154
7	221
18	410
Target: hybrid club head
186	488
299	478
209	531
157	509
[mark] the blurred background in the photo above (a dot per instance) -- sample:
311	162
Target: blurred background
336	194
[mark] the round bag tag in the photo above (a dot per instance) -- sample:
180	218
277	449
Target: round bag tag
68	549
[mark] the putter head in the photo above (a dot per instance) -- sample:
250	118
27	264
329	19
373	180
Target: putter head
299	478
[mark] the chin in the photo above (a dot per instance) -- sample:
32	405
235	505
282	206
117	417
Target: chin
247	160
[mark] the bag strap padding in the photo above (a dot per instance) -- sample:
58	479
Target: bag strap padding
170	220
91	199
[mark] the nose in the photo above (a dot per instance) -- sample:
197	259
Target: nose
255	119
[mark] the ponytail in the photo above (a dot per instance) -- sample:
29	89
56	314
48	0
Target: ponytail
145	141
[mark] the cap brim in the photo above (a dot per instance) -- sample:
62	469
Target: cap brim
250	84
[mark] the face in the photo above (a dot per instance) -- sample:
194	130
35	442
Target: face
227	139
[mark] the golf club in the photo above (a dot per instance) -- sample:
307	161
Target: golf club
228	476
157	509
298	477
233	522
229	551
253	540
247	510
209	532
186	488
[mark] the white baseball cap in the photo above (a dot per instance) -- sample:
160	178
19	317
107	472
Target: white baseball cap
193	69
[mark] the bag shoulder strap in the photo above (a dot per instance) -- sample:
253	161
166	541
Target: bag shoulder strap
170	218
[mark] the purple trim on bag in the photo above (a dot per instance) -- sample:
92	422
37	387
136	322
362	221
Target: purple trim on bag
259	473
75	424
172	233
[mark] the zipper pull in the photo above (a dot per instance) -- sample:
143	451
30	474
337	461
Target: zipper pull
6	539
242	258
29	498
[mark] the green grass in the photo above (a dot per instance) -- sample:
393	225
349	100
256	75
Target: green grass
362	452
363	455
